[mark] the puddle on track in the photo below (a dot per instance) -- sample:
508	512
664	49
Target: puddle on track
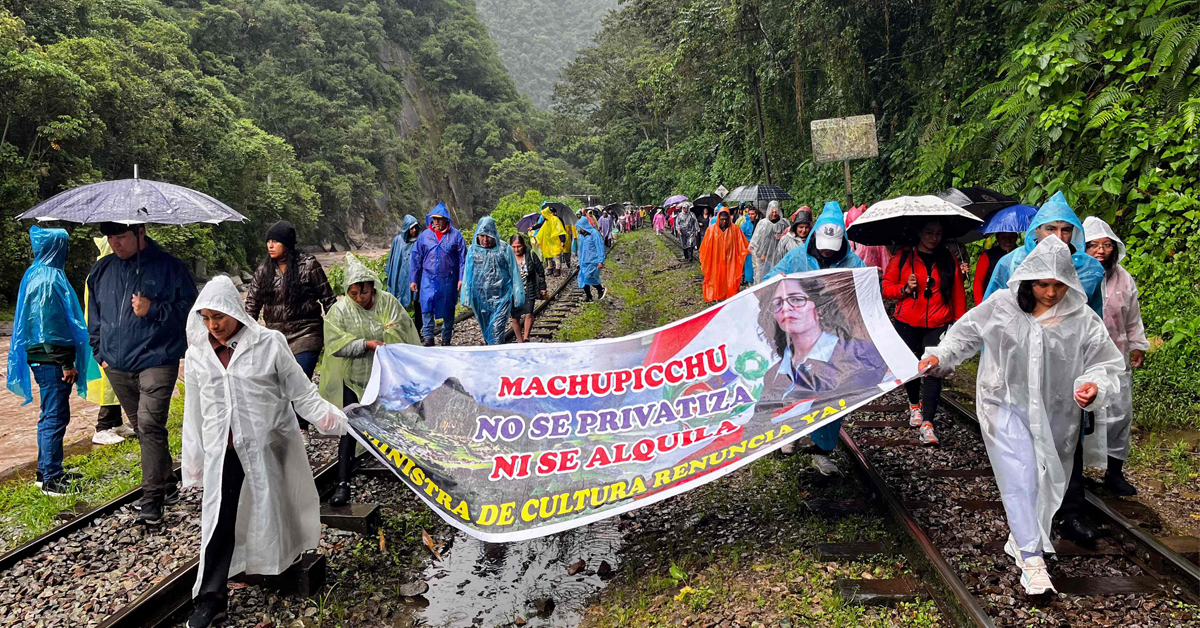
491	584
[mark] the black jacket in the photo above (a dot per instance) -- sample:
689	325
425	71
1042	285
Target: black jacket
119	337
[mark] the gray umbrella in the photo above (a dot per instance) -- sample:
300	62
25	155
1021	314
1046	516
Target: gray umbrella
751	193
133	201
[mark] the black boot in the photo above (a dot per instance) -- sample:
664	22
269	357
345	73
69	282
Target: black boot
1078	529
1114	479
428	342
341	495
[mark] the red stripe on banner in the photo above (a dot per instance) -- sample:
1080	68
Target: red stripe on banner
669	342
731	438
787	409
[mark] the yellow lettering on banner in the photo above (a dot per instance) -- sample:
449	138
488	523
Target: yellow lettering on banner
430	487
526	515
639	487
488	515
618	491
396	458
757	441
598	498
462	512
829	411
662	477
443	499
418	476
681	472
580	498
506	514
739	448
697	465
784	430
565	506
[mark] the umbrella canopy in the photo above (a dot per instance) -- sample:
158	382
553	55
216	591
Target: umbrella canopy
678	198
753	193
563	212
1012	219
898	221
708	200
527	222
615	208
133	201
978	201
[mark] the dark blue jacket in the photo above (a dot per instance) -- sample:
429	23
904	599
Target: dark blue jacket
119	337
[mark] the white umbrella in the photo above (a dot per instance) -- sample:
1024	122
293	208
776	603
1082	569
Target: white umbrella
898	221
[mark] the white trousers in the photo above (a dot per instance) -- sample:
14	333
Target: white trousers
1010	449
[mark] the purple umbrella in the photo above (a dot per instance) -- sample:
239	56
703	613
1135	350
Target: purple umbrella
527	222
674	200
133	201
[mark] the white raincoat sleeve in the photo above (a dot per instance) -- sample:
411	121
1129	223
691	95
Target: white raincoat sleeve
192	455
1135	330
963	340
1103	363
303	393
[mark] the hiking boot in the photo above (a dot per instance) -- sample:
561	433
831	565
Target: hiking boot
210	608
124	431
169	499
428	342
927	435
1114	479
341	495
107	437
825	466
1080	531
151	513
1034	576
914	416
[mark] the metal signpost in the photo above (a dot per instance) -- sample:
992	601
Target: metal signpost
843	139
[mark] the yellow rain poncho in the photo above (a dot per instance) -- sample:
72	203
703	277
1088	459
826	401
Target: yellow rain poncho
548	235
100	392
347	328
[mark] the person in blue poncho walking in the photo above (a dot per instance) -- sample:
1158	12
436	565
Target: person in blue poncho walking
748	222
492	283
591	259
1058	219
438	258
826	246
49	340
1055	218
399	263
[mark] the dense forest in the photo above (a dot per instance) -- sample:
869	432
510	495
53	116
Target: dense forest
1098	99
350	112
538	38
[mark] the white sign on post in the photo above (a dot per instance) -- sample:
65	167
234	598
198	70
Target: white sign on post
721	191
842	139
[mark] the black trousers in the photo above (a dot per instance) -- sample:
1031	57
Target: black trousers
587	290
917	339
108	418
1074	499
219	553
346	444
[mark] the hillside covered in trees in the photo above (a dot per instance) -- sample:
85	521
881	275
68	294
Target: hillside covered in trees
538	38
1098	99
340	115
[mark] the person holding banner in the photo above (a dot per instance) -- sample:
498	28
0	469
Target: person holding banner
438	259
1046	357
591	260
355	327
809	325
827	247
242	445
492	283
722	255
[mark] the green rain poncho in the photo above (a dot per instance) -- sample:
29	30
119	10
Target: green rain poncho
348	327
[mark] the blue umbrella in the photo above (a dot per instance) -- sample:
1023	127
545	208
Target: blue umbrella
133	201
1011	219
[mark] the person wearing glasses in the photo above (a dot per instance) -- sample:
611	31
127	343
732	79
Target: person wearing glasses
926	280
816	333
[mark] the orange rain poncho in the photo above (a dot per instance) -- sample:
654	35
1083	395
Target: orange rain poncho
722	256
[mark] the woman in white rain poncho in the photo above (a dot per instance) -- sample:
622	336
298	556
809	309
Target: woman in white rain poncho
765	245
1047	356
355	326
242	444
1108	446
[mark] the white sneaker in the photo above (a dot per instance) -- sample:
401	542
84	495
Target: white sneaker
914	416
124	431
1034	576
1010	548
107	437
927	435
825	466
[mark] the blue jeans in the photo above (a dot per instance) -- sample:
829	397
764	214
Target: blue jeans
52	424
308	363
428	318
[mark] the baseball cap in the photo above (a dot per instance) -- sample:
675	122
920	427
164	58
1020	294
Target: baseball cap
829	236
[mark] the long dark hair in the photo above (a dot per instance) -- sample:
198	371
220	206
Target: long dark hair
835	299
293	290
1025	299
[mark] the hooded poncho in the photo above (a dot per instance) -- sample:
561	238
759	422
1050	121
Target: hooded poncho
492	284
47	313
591	254
1089	271
549	233
722	255
399	262
1030	370
348	326
805	258
765	245
437	265
689	228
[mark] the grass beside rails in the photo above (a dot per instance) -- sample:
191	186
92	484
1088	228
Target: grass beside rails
1172	458
107	473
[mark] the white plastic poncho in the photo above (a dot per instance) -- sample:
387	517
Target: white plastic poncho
348	327
766	248
1123	318
278	510
1026	383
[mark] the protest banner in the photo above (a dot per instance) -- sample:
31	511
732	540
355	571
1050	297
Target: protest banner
514	442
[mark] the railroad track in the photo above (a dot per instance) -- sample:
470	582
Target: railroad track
675	245
945	507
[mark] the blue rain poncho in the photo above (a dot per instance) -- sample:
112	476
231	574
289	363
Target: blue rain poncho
1091	273
492	283
806	258
591	253
747	226
48	313
400	262
437	265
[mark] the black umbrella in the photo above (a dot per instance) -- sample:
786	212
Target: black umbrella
754	193
708	200
563	212
616	208
978	201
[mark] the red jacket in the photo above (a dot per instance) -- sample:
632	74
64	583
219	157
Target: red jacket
917	310
984	268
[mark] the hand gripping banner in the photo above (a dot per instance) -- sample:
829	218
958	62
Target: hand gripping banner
514	442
